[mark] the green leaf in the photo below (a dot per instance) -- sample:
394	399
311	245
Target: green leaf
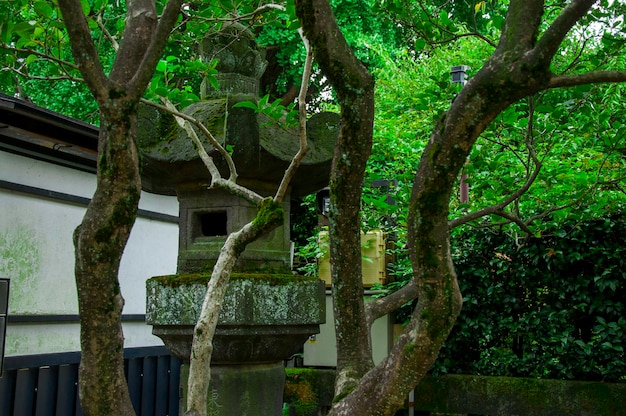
43	9
419	44
161	66
6	29
544	109
246	104
30	59
161	91
212	80
24	28
84	4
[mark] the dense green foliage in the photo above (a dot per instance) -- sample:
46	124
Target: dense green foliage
551	307
38	65
575	138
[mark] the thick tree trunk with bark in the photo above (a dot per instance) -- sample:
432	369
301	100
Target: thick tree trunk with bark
101	237
99	242
354	87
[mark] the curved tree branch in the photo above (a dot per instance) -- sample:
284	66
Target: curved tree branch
155	48
304	146
84	50
354	86
594	77
377	308
550	41
498	208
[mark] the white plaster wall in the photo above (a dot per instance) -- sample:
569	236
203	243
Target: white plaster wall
321	349
37	253
38	338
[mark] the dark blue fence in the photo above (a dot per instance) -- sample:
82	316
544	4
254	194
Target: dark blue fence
47	385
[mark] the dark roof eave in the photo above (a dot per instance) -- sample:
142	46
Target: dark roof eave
33	131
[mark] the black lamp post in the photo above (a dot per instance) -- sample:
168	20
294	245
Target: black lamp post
459	76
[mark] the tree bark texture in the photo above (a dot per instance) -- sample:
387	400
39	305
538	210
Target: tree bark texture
99	242
354	86
103	233
519	67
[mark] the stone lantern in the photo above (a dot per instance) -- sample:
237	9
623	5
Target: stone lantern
268	313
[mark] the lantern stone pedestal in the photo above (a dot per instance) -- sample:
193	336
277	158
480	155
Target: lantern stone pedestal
265	319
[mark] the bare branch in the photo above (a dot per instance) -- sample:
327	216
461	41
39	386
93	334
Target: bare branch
248	16
185	124
107	34
516	220
62	63
42	78
205	131
216	178
304	146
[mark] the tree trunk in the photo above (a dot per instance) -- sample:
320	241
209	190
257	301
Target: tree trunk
99	242
101	237
354	86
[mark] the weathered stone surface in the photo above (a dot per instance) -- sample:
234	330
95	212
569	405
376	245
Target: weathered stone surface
242	390
261	299
263	319
512	396
261	147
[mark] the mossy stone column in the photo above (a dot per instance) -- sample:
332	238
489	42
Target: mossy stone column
265	318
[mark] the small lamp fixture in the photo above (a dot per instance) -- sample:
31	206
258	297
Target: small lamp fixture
459	74
323	201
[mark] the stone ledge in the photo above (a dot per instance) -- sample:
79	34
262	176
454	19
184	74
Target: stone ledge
481	395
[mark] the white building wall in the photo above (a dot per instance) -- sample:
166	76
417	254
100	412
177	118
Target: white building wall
37	254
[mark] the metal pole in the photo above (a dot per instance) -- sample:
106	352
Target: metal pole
4	313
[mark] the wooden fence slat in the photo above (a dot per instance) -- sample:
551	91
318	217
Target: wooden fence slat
67	396
148	386
133	378
78	409
175	395
26	384
162	386
7	389
47	386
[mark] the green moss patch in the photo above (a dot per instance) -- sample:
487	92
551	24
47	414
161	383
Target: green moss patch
272	279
